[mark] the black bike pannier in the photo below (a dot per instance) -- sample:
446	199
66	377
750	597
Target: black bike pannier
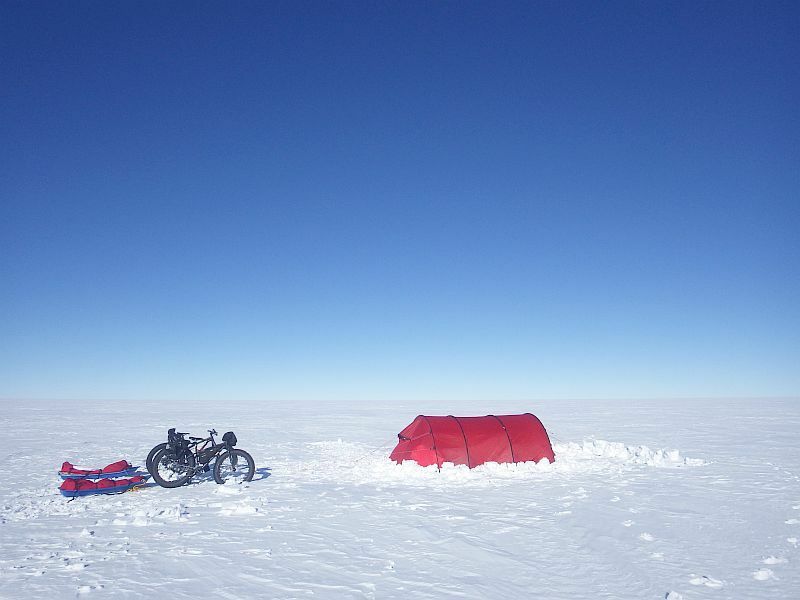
175	441
229	438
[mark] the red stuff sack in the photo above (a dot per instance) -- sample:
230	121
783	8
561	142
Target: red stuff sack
78	485
69	485
116	467
68	467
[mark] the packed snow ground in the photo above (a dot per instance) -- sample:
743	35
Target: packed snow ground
682	500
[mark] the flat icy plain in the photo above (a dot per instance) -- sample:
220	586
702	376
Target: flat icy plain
673	499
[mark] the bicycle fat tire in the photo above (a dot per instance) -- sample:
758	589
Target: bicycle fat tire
164	458
152	455
241	457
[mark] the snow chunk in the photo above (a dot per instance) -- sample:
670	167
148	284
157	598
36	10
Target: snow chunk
763	574
346	461
706	581
637	455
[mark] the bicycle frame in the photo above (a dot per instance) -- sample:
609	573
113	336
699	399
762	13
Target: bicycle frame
183	457
198	447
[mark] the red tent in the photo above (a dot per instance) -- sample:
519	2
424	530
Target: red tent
473	441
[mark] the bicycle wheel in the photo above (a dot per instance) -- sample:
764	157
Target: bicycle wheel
152	455
171	471
235	465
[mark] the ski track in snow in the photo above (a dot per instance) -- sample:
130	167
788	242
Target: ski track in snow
329	516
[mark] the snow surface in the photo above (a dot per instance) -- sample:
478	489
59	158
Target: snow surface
676	500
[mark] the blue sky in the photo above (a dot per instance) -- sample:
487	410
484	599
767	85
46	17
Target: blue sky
399	201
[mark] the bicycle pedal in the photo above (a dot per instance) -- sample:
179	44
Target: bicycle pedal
206	468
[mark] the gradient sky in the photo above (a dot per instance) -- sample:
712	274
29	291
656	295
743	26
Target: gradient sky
395	201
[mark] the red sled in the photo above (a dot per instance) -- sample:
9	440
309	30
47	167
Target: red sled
72	488
121	468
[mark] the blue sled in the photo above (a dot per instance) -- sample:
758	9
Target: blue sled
126	473
107	491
